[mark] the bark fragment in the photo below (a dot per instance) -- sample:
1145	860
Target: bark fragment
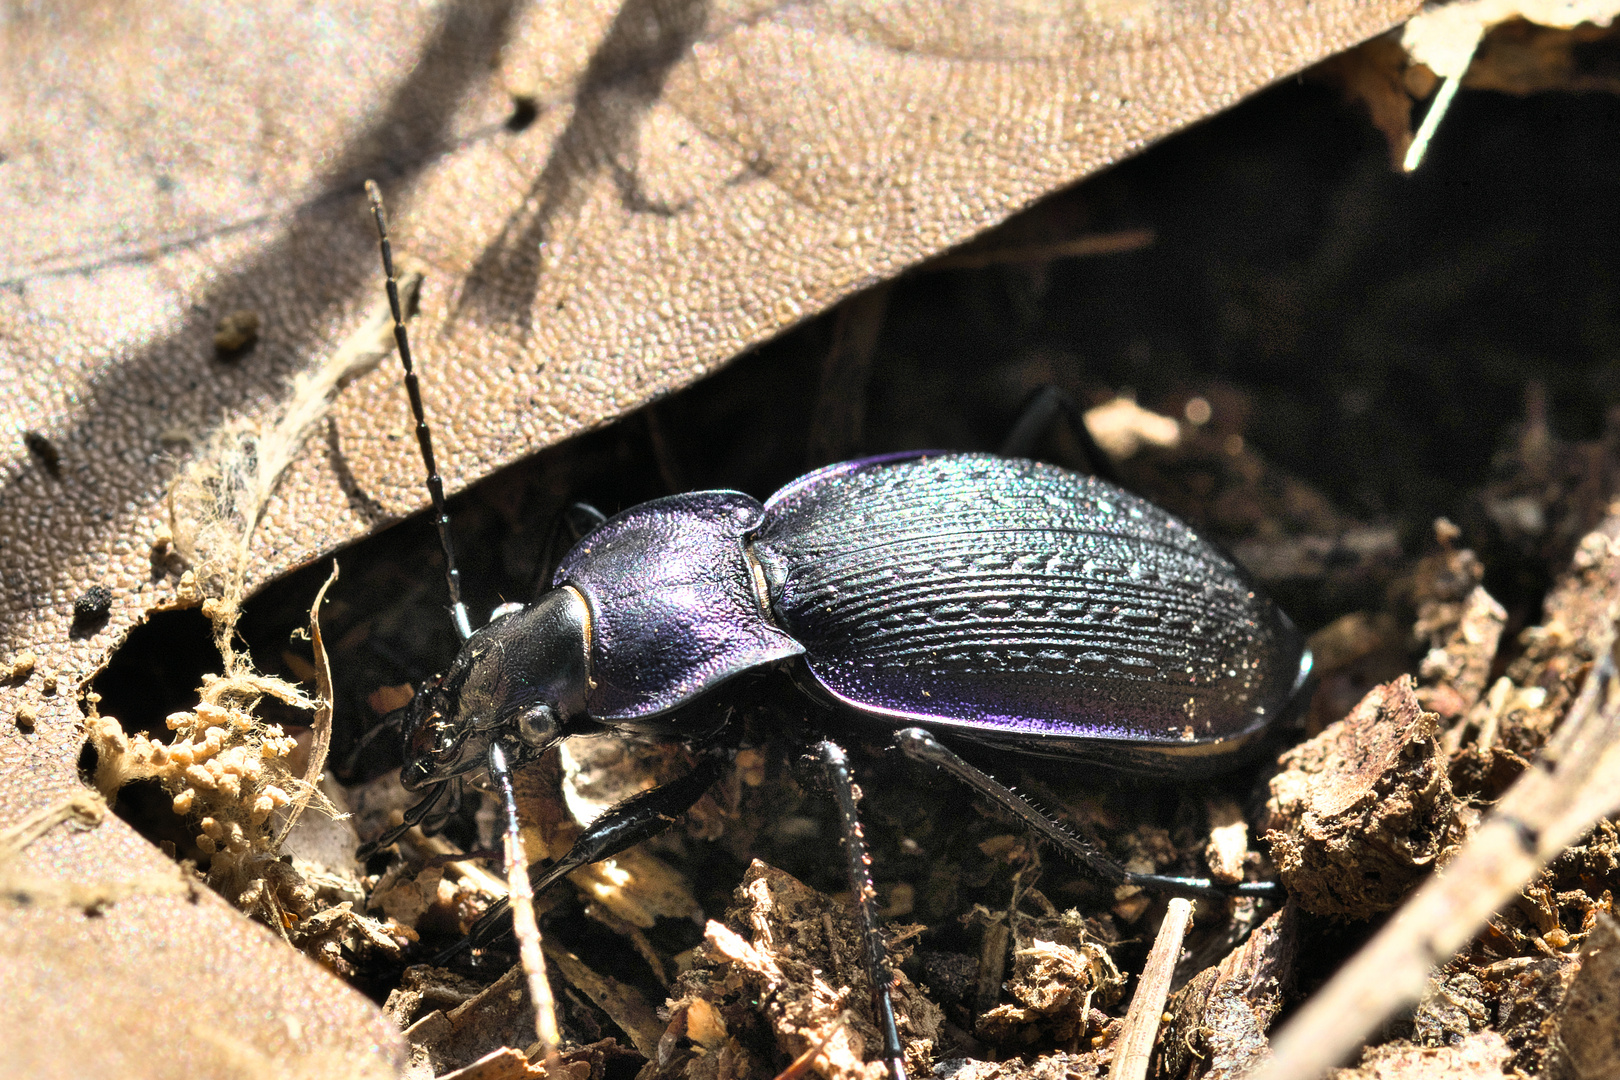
1219	1020
1362	811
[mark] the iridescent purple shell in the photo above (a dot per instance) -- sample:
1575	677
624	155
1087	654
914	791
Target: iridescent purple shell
1025	606
994	599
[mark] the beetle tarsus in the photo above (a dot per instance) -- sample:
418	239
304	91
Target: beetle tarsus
836	761
1205	888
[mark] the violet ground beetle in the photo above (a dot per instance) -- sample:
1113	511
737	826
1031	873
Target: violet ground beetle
960	597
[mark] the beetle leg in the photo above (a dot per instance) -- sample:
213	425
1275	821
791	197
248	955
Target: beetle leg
643	815
441	815
836	761
919	745
1046	405
412	817
575	523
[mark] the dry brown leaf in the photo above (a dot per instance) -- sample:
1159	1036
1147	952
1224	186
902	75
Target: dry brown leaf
1444	37
606	200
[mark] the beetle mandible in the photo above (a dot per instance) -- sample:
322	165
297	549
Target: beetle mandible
938	597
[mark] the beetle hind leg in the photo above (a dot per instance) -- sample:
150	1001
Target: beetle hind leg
919	745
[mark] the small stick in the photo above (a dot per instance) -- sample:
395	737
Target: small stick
1135	1051
1078	247
1431	123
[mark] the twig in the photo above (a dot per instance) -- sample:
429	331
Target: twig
1077	248
1135	1051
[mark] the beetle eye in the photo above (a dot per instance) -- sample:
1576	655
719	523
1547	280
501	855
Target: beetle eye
537	726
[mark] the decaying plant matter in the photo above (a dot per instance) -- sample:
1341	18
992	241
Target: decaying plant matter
1028	964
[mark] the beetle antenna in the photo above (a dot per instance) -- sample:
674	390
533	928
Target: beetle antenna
424	440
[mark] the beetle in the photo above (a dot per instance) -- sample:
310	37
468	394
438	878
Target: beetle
939	598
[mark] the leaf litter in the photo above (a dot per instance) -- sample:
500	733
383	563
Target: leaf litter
1384	791
1358	815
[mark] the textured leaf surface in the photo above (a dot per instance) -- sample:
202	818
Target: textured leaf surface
692	178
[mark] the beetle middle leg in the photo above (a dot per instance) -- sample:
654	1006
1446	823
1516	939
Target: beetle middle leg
859	864
919	745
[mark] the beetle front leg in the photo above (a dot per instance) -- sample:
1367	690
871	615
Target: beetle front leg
640	817
919	745
836	761
413	816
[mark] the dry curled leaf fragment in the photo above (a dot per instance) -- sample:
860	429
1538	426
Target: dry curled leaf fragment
1444	37
1060	972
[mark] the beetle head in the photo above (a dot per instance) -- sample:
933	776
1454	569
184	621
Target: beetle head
523	679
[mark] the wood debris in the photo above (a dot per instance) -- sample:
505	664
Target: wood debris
785	971
1362	812
1219	1021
